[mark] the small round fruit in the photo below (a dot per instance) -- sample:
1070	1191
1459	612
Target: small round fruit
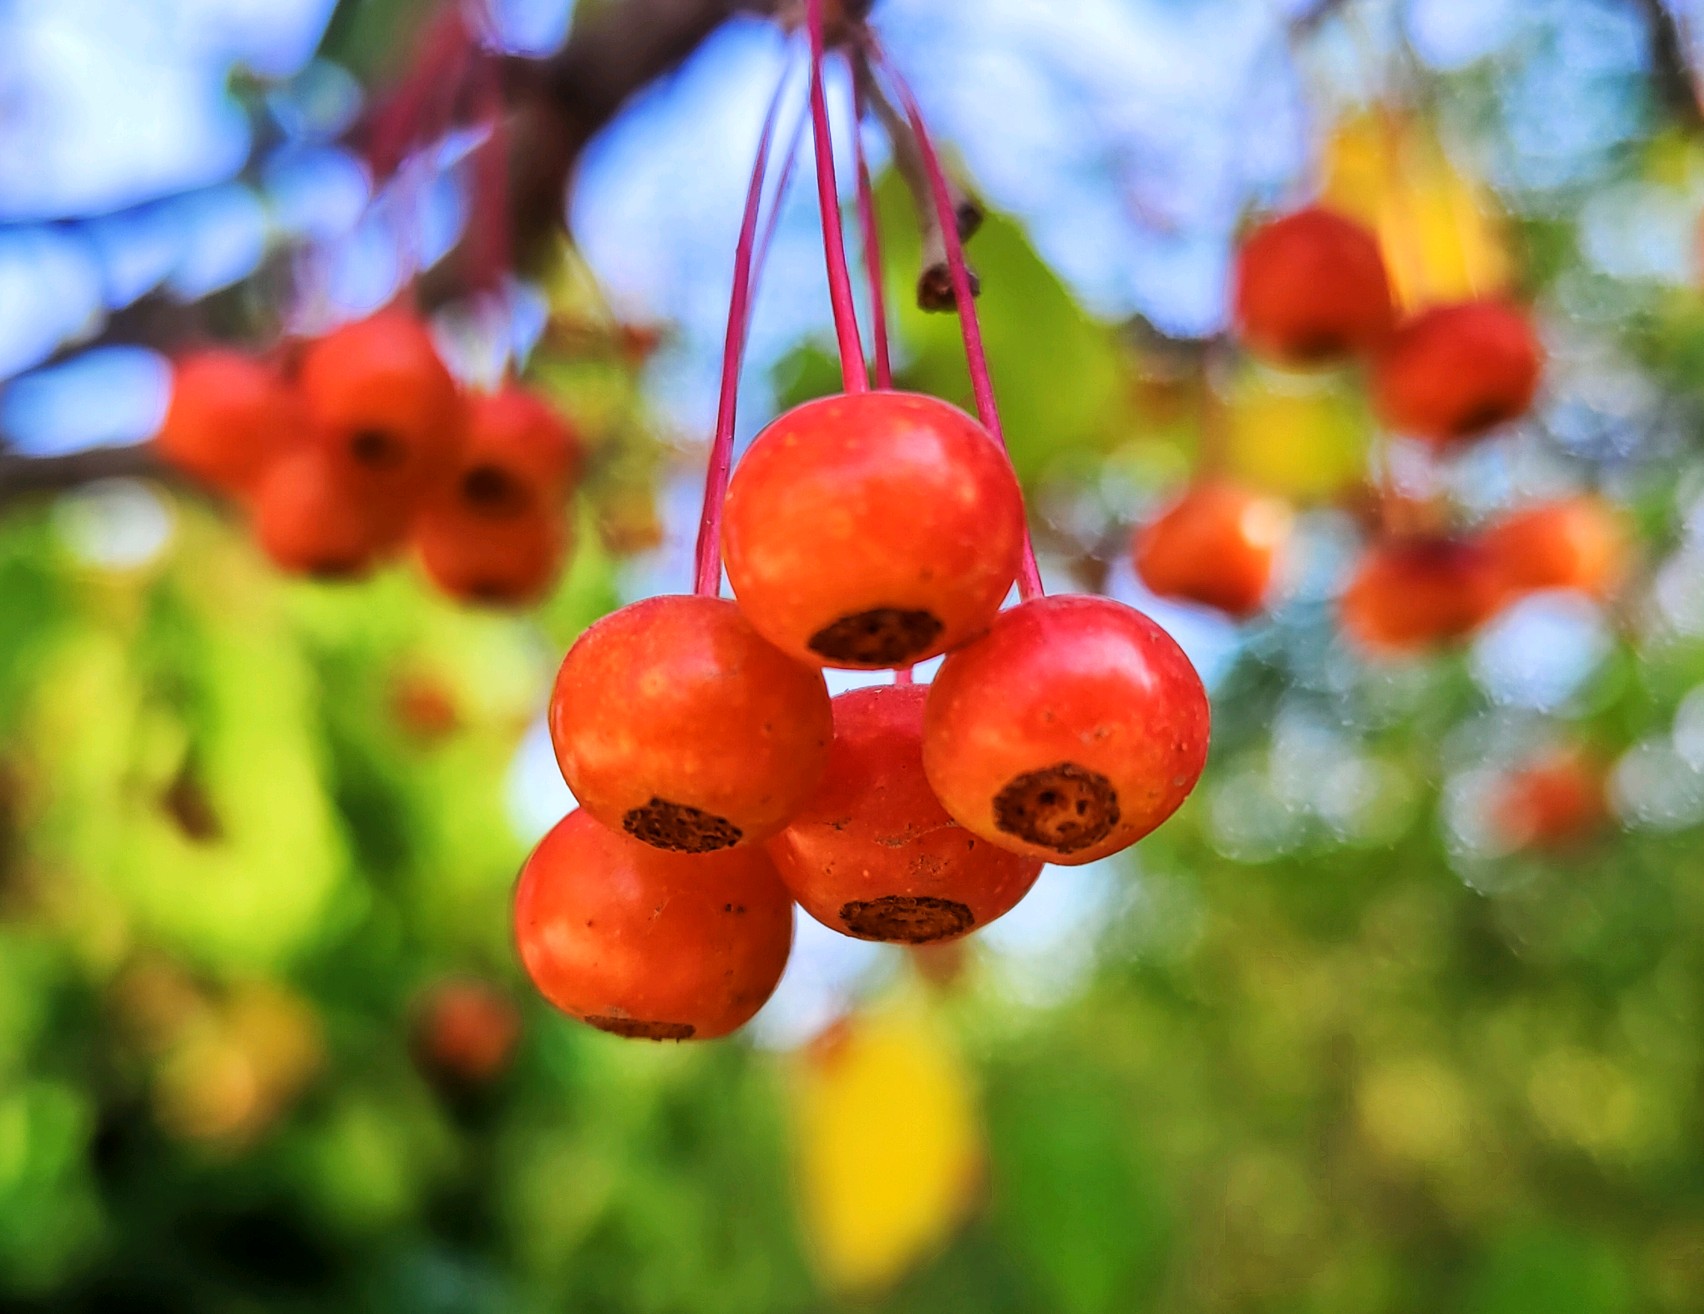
1552	804
1216	545
505	561
874	854
519	453
678	723
1411	594
1070	730
229	419
465	1032
380	396
313	519
1575	543
654	945
1453	373
1311	289
872	530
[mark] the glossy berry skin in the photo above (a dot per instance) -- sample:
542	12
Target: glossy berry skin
676	722
1454	373
312	518
1216	545
649	944
519	453
381	398
1311	289
872	530
505	561
1408	595
873	854
1070	730
1575	543
229	419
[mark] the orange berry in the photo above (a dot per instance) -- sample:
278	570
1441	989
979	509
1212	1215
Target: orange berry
229	419
381	398
1311	289
1576	543
313	519
1454	373
1217	545
1410	594
506	560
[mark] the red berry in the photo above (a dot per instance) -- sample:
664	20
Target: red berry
424	706
1456	372
382	399
229	419
1070	730
465	1031
1553	803
502	561
1575	543
1311	289
676	722
1410	594
874	854
519	453
872	530
312	518
662	946
1217	545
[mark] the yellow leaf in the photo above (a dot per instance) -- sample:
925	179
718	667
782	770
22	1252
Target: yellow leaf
888	1145
1301	436
1439	226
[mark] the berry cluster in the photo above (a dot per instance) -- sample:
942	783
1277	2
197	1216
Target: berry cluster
1311	290
365	445
1409	593
719	783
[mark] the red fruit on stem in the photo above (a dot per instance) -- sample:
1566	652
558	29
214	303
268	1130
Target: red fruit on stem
1454	373
312	518
382	399
1553	803
1311	289
229	419
1216	545
655	945
424	706
519	453
502	561
676	722
873	854
1074	727
872	530
1411	594
465	1031
1576	543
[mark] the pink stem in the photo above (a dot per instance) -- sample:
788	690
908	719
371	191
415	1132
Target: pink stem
982	384
854	377
870	234
904	676
782	183
707	574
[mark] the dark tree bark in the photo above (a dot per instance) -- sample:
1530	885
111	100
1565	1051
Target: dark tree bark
26	476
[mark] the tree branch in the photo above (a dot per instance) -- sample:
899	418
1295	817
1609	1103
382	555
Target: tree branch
1314	17
1671	62
30	476
556	105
